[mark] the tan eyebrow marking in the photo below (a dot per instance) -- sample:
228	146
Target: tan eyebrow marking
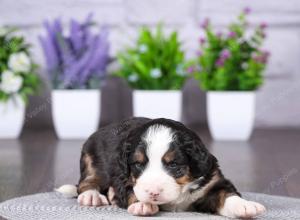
169	156
139	156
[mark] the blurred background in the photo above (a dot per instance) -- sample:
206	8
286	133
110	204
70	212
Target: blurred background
278	100
267	163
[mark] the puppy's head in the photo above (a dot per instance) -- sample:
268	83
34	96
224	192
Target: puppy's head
165	157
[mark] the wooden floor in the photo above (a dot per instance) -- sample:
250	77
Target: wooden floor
38	162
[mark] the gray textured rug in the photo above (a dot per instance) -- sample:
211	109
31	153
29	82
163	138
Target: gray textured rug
54	206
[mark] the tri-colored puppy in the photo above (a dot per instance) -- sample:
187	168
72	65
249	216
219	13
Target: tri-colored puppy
147	165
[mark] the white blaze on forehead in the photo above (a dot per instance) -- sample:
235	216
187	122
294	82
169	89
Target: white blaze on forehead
155	177
158	139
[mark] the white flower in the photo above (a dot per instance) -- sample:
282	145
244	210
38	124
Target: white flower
19	62
180	70
245	65
133	78
143	48
10	82
155	73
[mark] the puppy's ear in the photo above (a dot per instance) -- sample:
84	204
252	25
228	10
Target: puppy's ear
201	161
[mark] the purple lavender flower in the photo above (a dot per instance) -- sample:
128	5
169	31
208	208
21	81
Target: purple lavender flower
231	34
247	10
74	60
205	23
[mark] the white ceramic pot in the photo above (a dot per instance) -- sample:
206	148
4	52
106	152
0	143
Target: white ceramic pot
231	114
76	113
12	115
157	104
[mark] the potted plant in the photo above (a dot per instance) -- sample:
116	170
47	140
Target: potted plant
18	80
154	68
76	66
230	69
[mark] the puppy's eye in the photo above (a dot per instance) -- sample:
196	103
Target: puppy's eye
138	165
172	165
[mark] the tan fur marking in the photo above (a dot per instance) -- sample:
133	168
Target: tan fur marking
133	179
132	199
169	156
139	156
222	197
111	196
211	183
90	170
184	179
186	199
91	180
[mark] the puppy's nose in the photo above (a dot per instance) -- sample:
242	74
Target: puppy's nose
154	192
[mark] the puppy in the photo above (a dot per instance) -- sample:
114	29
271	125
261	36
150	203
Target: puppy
147	165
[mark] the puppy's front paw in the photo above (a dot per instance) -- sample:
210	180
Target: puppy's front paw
142	209
92	198
236	207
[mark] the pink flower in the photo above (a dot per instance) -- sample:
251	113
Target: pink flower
202	40
191	69
199	53
219	34
263	25
231	34
266	53
262	57
263	34
225	54
220	62
205	23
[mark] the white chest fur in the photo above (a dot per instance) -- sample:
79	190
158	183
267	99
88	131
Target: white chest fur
184	201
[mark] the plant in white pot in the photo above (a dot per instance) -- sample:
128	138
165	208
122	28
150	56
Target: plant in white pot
76	65
230	70
18	80
154	68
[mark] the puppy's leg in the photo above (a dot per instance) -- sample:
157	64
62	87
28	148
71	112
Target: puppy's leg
222	198
89	184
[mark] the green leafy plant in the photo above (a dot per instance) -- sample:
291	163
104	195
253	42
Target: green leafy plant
232	61
17	70
156	62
